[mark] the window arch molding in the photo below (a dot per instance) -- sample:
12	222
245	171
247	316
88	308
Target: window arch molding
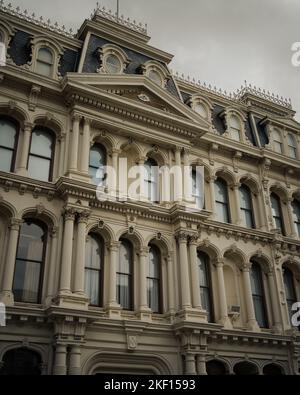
56	50
276	139
207	107
116	54
155	67
232	129
7	32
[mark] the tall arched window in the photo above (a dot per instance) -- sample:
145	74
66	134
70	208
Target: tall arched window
277	213
152	180
125	276
197	189
292	146
277	142
205	285
30	259
44	62
235	128
258	295
97	163
222	203
8	144
41	154
290	291
94	256
154	280
246	206
296	215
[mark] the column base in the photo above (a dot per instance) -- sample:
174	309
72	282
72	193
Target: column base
145	314
225	322
22	172
7	298
113	311
192	315
69	300
253	326
77	175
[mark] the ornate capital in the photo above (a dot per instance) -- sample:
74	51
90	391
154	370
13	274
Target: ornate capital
76	117
83	217
15	224
114	246
28	126
54	232
182	236
193	239
144	252
69	214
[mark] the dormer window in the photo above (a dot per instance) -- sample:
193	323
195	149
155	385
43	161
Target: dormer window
112	59
113	64
155	77
292	146
44	62
201	109
155	72
277	142
235	128
201	106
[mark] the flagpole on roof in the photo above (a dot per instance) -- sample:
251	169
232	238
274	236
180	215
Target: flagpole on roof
118	8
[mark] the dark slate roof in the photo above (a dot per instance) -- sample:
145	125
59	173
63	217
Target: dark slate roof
262	133
217	120
250	132
69	61
91	63
20	50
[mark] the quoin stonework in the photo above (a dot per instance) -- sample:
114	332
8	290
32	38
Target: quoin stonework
92	286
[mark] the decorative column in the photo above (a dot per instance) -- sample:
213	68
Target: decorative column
195	272
236	189
75	361
288	203
83	218
184	271
187	182
52	265
252	323
171	285
66	262
178	176
211	181
113	175
22	169
145	311
201	365
73	154
61	166
85	149
6	295
113	307
190	365
274	301
60	362
262	212
224	319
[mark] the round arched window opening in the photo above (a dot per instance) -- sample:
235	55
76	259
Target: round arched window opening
200	109
113	64
155	77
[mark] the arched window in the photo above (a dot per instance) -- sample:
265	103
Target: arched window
277	212
246	206
273	370
222	204
154	280
152	180
205	285
197	189
113	64
41	154
97	163
215	368
201	110
125	276
21	362
30	260
9	133
94	256
258	295
290	291
296	215
235	128
292	146
277	142
155	77
44	62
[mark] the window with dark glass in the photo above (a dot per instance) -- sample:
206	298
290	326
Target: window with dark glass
246	206
44	62
296	215
97	164
125	276
197	192
154	280
30	262
205	284
152	180
292	146
8	144
222	204
94	254
290	291
40	160
277	213
258	295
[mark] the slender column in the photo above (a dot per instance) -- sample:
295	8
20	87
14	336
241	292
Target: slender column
144	256
212	196
114	173
274	300
66	264
73	154
236	190
187	183
75	361
10	262
201	365
262	212
112	284
171	285
222	293
85	149
52	265
178	176
195	272
60	364
143	192
252	323
22	169
190	365
61	166
184	271
291	219
80	252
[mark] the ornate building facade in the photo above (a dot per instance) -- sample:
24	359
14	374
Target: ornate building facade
123	286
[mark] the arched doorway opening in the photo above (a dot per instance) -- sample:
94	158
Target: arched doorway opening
245	369
21	362
216	368
273	370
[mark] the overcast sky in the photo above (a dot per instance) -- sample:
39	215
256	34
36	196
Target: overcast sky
222	42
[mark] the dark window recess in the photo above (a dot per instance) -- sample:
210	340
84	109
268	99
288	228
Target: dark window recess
218	122
69	62
185	96
250	132
20	50
262	133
